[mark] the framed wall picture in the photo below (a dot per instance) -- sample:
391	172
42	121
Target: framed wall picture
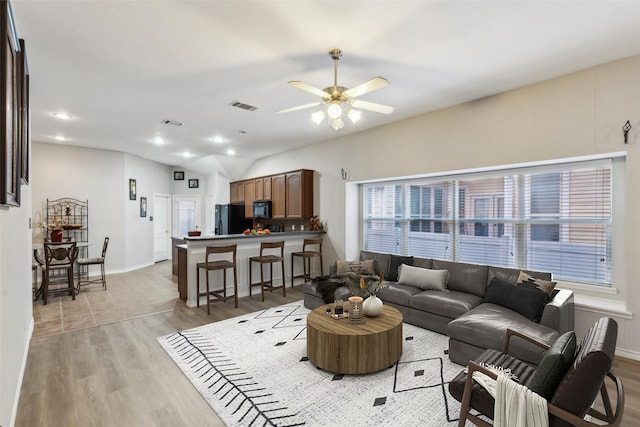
178	176
24	113
132	189
9	110
194	183
143	207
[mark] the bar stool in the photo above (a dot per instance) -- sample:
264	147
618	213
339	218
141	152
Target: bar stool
306	256
268	259
218	264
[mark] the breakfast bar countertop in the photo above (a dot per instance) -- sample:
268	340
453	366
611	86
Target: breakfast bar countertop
279	234
191	250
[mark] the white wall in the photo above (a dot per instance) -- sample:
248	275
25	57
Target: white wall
577	115
102	178
16	316
151	178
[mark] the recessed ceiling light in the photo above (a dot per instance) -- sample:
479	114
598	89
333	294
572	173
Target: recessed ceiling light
186	154
231	152
59	138
218	139
63	116
158	140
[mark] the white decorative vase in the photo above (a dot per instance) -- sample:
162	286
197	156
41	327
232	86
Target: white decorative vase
372	306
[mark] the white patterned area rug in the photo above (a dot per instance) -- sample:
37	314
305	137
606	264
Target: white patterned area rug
253	371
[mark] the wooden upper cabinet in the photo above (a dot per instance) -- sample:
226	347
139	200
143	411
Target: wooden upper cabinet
299	194
267	188
249	197
291	194
236	190
259	182
278	196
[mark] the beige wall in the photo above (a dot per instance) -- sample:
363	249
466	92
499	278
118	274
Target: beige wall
577	115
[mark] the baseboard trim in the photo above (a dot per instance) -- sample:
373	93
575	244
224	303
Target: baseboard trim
124	270
23	368
628	354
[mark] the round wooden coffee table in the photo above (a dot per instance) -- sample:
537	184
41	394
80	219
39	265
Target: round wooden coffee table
337	345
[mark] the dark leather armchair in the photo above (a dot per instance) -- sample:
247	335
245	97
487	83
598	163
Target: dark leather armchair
572	399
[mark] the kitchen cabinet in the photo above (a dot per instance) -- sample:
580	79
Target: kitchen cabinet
249	197
236	190
267	188
259	182
263	188
291	194
278	196
299	194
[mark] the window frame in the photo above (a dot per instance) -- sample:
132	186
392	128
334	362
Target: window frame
617	185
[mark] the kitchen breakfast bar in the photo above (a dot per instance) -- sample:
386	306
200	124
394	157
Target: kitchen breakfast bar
189	251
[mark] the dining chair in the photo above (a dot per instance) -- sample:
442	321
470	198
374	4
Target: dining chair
86	262
59	258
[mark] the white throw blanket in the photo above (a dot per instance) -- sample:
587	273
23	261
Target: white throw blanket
515	404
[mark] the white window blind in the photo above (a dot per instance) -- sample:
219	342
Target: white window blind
551	218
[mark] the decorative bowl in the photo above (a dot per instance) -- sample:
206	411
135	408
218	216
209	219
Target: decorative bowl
194	233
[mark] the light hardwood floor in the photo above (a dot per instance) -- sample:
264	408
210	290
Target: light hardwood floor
109	370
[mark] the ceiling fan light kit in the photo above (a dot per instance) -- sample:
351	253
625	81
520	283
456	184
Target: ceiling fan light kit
336	95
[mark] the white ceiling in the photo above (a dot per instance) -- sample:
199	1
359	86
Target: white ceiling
121	67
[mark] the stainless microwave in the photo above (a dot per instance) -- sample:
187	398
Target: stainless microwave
262	209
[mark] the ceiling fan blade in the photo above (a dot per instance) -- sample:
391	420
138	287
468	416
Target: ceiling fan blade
300	85
366	87
372	106
301	107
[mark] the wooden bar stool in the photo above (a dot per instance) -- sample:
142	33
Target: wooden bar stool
306	256
268	259
216	295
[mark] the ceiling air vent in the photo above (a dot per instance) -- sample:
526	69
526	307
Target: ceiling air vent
172	123
243	106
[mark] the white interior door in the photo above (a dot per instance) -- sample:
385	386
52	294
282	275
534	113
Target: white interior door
186	214
161	227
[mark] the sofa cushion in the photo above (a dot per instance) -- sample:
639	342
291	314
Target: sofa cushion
545	286
526	300
422	262
469	278
510	275
394	264
554	364
360	267
485	326
382	261
450	304
398	294
423	278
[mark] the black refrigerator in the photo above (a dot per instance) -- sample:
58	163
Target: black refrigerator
230	219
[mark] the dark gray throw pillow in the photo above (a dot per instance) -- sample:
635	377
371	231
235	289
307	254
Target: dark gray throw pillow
528	301
394	265
554	365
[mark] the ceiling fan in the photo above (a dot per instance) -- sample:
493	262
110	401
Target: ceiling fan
336	95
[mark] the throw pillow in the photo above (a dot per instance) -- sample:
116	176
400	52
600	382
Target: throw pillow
395	263
522	299
423	278
360	267
554	365
546	286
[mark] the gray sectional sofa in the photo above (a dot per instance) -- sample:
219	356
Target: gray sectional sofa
461	311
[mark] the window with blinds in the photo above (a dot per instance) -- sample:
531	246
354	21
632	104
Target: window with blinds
549	218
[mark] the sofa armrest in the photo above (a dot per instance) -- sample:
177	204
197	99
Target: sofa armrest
559	314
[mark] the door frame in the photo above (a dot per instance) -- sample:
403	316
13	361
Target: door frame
167	249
